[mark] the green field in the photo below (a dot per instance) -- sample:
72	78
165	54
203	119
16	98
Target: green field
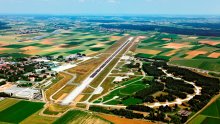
206	64
19	111
210	115
80	117
130	89
131	101
97	49
6	103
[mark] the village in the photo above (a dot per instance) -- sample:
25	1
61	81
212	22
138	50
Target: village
25	77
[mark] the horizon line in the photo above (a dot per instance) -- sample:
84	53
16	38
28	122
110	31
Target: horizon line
81	14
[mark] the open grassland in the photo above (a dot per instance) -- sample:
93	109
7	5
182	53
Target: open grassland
211	115
62	92
107	85
6	103
122	93
20	111
80	117
125	89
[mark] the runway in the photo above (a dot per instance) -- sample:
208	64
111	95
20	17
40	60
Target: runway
78	90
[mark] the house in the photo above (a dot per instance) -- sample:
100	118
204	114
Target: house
184	113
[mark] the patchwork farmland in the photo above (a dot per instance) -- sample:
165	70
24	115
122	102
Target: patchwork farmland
63	43
196	52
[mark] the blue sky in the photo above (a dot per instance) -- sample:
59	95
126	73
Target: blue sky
111	7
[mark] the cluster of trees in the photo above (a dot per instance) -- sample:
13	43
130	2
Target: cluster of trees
175	119
164	98
144	93
176	93
40	78
199	101
99	109
127	113
178	85
25	85
210	86
140	108
199	80
168	108
159	113
174	88
132	65
202	25
161	98
157	116
152	70
121	112
2	83
149	99
11	73
29	68
154	114
2	94
167	29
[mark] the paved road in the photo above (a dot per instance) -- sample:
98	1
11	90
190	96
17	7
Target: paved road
88	80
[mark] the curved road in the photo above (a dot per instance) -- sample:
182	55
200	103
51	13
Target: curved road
158	104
